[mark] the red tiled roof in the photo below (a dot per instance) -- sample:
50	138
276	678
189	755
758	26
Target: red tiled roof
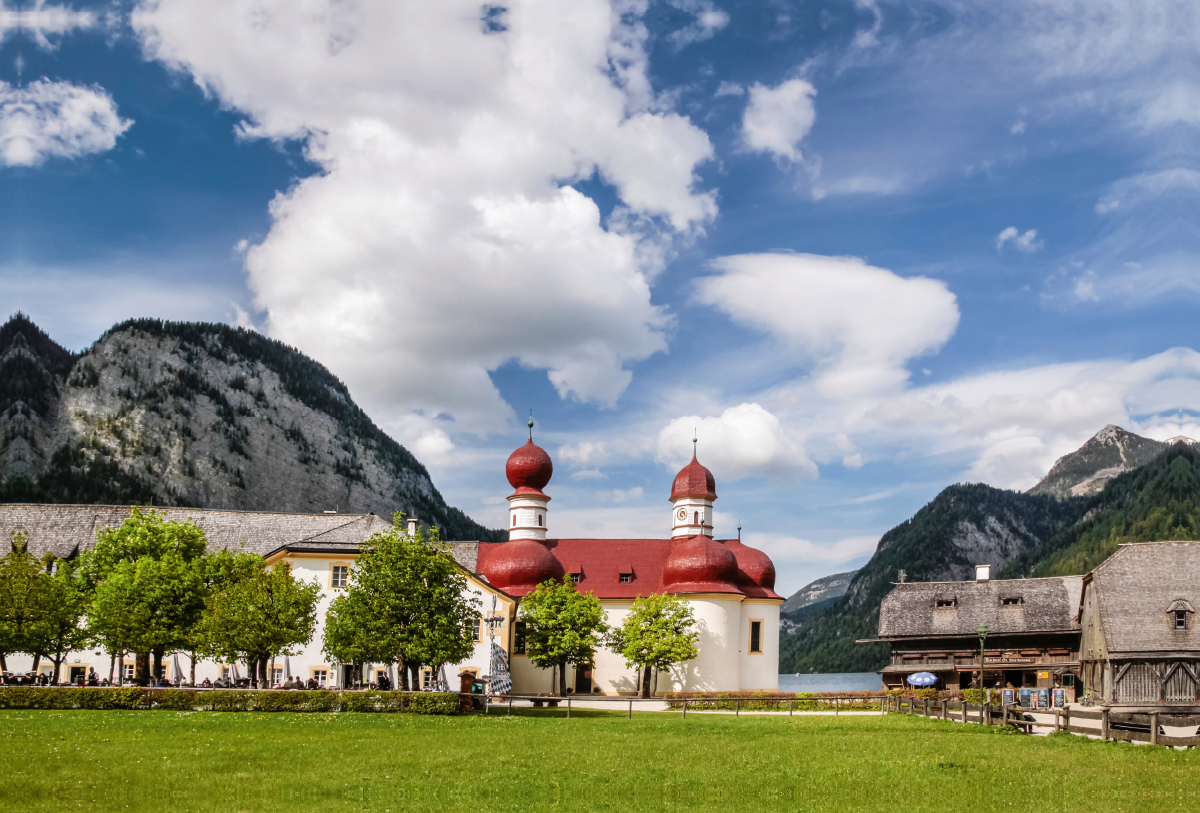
602	561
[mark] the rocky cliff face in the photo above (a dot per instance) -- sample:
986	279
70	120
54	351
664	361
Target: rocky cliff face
198	415
822	589
1086	471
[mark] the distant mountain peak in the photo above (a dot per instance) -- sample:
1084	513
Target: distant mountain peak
1108	453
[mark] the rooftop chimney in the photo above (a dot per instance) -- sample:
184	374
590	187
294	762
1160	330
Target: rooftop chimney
412	526
983	573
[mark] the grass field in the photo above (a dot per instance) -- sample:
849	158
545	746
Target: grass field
170	762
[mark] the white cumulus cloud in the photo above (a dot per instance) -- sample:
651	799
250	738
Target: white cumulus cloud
743	441
858	323
443	239
46	119
778	118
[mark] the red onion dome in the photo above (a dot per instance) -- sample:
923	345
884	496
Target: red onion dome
698	564
519	565
529	467
694	480
754	565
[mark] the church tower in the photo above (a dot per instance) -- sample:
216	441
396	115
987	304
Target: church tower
692	496
529	470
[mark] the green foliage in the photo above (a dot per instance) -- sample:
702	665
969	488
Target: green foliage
562	626
20	697
658	632
1159	501
30	364
762	701
41	604
406	602
145	534
149	605
264	614
80	473
923	546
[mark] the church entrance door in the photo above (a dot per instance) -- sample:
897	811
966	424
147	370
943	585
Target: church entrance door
583	678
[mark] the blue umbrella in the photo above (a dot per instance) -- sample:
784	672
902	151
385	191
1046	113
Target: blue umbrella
922	679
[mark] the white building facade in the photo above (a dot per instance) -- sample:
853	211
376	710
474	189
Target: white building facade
729	586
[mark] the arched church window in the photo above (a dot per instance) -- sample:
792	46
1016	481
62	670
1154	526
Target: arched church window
696	519
539	520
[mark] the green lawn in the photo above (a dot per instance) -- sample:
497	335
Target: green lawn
170	762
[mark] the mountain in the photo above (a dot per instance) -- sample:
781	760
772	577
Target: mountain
1021	535
1158	502
1085	471
198	415
821	590
961	527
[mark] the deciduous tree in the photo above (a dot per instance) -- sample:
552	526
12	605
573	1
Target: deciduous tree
658	632
406	603
258	617
562	626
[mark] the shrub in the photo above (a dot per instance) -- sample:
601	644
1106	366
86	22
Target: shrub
762	701
58	698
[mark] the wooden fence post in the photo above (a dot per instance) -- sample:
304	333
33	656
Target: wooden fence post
568	707
510	705
837	706
791	706
1067	720
631	709
1104	724
1004	716
685	708
1154	728
737	707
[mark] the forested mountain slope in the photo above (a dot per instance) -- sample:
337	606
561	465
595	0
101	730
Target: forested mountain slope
1158	502
963	526
200	415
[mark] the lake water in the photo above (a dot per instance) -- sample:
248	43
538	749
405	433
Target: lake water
835	682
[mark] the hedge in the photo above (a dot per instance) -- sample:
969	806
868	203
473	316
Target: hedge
773	701
220	700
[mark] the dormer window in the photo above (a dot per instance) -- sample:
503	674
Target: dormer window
1180	619
626	578
577	577
945	602
1178	612
1012	601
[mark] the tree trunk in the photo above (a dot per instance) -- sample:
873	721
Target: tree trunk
3	662
141	668
262	673
37	659
646	682
402	673
562	680
415	676
58	659
112	664
158	666
192	659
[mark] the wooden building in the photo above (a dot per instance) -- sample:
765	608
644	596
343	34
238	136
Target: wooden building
1032	640
1140	634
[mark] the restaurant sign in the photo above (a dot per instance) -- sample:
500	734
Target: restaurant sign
1004	661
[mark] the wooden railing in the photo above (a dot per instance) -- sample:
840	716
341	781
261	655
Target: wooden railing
1114	725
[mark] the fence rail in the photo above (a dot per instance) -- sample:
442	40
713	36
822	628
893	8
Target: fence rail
1114	725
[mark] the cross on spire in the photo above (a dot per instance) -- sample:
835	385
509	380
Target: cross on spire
531	424
693	441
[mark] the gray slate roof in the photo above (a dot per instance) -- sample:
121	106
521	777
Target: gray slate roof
66	530
1049	605
1137	585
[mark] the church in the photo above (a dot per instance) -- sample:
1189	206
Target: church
729	586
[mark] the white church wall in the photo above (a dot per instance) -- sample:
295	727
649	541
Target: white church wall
759	671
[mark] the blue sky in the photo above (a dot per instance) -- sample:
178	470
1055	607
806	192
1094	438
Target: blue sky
866	249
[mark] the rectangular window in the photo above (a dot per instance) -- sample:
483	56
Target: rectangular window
321	676
626	578
945	602
756	636
427	678
1181	619
519	643
129	671
1011	602
577	577
337	576
277	675
476	629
